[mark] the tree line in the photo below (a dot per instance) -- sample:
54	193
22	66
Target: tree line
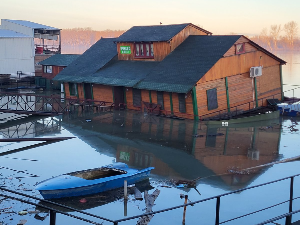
275	38
279	38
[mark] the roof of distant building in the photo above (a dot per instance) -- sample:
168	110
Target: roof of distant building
154	33
31	24
59	60
97	56
11	34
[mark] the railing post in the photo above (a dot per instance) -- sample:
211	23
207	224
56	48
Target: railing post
218	211
115	223
291	194
52	217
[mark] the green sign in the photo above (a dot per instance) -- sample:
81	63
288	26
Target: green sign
125	156
125	50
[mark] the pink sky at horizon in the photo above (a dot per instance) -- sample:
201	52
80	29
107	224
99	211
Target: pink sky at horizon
217	16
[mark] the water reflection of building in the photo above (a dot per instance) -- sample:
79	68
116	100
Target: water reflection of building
30	127
183	149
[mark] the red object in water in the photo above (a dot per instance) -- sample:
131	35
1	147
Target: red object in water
39	50
83	200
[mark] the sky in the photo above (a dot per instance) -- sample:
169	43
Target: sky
217	16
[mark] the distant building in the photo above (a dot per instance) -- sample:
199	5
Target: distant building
52	66
182	69
24	44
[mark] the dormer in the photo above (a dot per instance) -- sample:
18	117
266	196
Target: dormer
154	43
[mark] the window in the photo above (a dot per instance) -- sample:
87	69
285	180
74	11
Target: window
160	99
144	50
212	99
181	99
137	97
73	89
47	69
240	48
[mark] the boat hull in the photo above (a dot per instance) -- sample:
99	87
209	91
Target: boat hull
99	186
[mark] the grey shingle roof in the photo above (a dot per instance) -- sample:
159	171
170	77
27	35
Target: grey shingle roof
152	33
187	64
59	60
123	73
97	56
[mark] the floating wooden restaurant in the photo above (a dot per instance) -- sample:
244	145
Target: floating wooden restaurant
180	70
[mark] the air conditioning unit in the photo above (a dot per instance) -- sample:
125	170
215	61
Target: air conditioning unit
256	71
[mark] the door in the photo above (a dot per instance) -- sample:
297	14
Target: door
88	91
118	96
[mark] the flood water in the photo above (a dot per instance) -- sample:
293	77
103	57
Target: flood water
213	155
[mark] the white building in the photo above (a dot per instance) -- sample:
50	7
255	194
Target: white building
23	44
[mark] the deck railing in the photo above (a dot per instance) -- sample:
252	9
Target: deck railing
287	216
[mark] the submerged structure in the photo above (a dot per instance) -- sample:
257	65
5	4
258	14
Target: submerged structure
181	70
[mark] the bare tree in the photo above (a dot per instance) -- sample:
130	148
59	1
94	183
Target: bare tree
265	38
291	32
274	34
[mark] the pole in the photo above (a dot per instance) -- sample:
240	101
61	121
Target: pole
218	211
184	210
125	189
52	217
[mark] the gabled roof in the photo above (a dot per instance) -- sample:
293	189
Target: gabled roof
59	60
153	33
187	64
97	56
11	34
31	24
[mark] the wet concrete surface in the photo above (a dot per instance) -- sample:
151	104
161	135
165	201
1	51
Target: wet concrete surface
215	158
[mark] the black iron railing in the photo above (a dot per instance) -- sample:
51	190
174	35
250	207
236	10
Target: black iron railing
287	216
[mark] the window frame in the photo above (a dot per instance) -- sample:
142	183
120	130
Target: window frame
136	93
142	48
160	99
240	52
182	102
73	90
212	105
45	69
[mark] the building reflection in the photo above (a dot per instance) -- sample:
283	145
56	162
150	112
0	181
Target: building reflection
182	149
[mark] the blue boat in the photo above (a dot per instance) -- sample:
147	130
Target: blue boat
91	181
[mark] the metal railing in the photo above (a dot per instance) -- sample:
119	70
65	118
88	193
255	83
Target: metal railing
287	216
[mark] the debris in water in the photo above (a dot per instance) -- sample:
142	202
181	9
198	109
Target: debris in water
83	200
88	120
22	222
22	213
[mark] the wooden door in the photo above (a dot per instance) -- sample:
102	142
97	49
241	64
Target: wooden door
118	96
88	91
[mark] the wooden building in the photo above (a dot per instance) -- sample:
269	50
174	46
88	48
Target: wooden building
52	66
182	69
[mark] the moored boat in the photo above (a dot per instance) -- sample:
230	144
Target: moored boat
91	181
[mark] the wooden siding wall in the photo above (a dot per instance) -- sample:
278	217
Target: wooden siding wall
80	91
154	97
241	90
55	71
182	35
238	64
103	93
67	90
201	89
